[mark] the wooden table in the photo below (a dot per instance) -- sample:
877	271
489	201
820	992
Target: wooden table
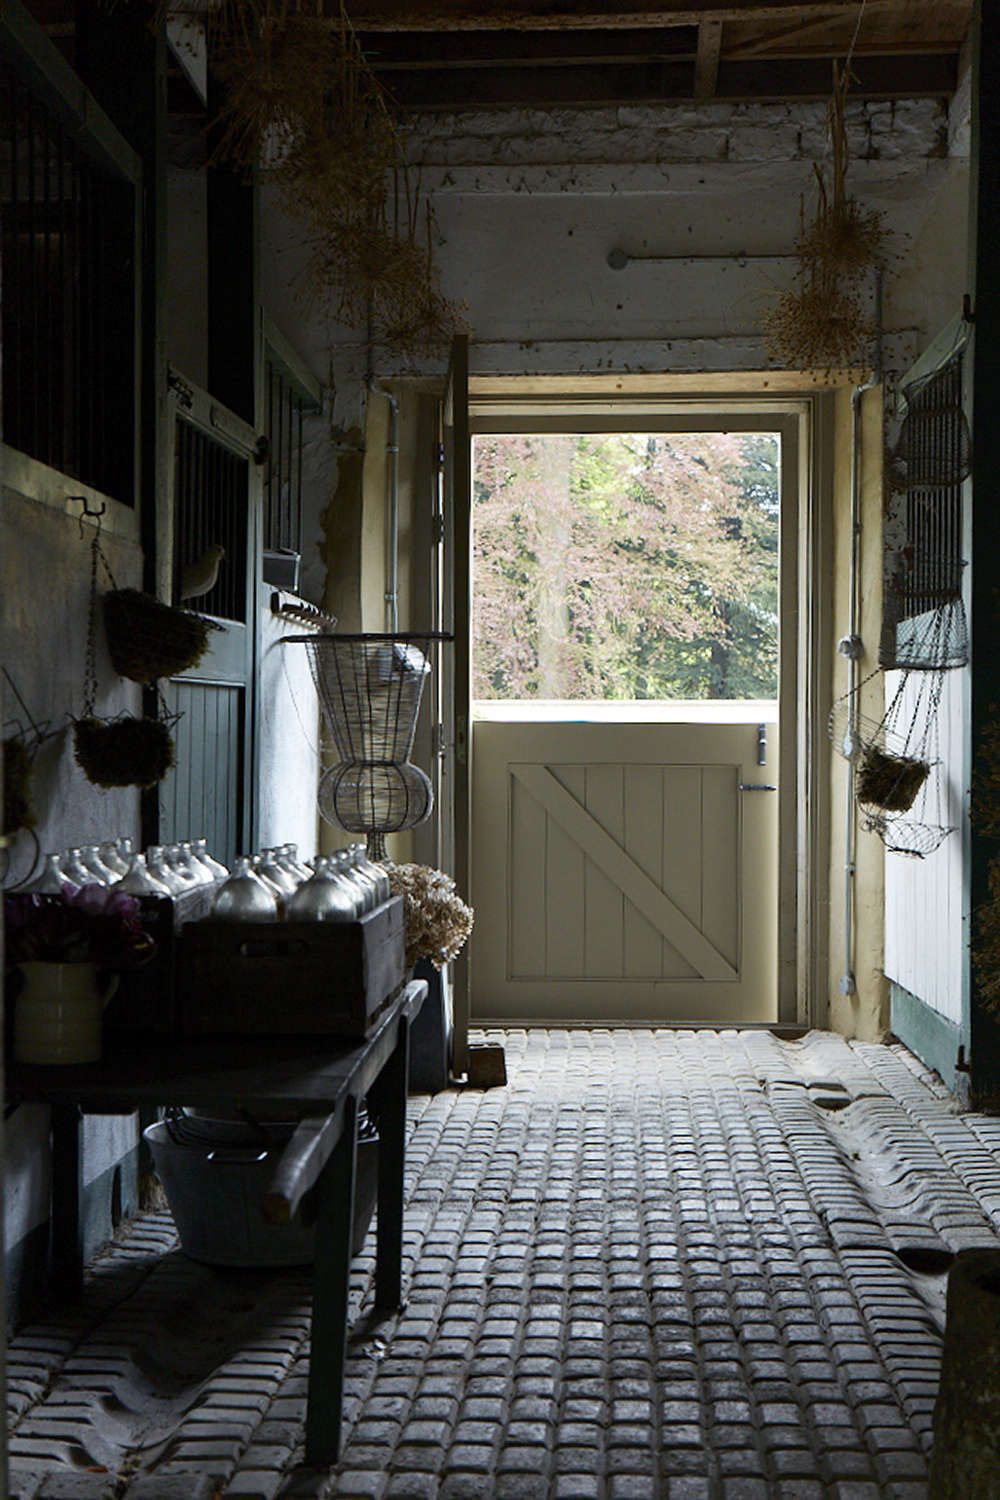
319	1079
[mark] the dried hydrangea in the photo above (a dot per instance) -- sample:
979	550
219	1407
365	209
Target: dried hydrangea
437	920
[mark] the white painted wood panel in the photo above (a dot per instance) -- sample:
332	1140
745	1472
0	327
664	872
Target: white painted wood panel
925	931
609	873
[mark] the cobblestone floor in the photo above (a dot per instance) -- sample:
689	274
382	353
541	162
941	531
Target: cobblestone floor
656	1266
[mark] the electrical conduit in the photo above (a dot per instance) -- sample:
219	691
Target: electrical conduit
392	510
851	647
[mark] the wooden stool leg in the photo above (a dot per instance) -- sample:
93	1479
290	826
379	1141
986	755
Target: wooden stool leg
391	1107
328	1346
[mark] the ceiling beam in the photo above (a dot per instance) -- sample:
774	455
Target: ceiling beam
470	49
798	33
598	83
706	66
548	15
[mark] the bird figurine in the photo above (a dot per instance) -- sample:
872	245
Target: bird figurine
199	576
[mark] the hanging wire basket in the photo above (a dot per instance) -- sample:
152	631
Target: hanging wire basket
148	639
853	734
126	751
936	640
898	773
889	781
906	835
933	450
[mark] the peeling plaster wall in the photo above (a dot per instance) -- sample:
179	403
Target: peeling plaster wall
865	1013
529	205
703	206
45	586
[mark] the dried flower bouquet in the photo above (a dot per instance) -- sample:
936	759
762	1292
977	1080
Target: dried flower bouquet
437	920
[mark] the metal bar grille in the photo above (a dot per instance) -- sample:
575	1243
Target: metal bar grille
211	508
283	480
68	321
937	460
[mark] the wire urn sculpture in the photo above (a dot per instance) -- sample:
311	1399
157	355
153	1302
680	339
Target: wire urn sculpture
370	687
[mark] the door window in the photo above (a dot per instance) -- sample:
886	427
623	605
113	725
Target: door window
625	567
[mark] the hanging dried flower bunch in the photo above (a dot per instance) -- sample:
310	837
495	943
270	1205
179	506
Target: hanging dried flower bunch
305	107
822	322
437	921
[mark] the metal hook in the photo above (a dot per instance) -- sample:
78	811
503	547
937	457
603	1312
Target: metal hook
87	511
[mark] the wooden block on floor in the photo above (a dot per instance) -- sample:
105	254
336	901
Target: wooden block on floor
487	1067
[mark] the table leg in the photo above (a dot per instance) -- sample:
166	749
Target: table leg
391	1106
67	1237
328	1345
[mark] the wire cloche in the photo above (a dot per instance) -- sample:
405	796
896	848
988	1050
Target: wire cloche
369	688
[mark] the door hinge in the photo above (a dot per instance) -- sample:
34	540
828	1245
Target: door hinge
437	528
438	456
437	739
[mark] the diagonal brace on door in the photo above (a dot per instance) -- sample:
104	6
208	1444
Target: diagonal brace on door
609	856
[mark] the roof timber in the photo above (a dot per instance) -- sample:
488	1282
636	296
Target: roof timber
706	65
472	15
602	82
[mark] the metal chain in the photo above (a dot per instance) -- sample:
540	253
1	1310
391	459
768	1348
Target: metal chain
90	659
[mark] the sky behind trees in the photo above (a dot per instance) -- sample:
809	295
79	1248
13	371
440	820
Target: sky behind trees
625	566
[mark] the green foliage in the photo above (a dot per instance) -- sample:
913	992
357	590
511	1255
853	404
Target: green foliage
626	566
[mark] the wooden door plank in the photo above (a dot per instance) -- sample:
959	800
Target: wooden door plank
643	838
566	917
604	904
523	874
721	860
640	890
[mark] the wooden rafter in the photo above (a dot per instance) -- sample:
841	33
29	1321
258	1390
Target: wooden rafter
791	37
706	67
660	82
472	15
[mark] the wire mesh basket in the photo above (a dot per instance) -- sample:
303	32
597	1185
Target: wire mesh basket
375	796
933	450
934	641
907	835
369	689
148	639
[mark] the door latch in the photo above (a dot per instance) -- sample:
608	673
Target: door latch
756	786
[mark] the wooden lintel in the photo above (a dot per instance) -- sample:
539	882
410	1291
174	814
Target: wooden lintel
706	66
411	50
472	15
658	82
802	31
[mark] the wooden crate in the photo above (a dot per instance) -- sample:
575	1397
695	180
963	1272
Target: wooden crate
145	1000
285	978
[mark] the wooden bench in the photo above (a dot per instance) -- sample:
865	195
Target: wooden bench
318	1079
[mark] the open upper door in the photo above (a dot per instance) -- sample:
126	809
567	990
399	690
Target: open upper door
451	769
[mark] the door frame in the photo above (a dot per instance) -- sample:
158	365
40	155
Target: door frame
804	417
234	652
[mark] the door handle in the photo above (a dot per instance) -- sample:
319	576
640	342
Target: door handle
756	786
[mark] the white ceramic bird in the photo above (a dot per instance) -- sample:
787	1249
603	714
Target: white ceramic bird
199	576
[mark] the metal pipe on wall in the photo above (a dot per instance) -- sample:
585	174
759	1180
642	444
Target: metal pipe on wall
392	510
851	646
